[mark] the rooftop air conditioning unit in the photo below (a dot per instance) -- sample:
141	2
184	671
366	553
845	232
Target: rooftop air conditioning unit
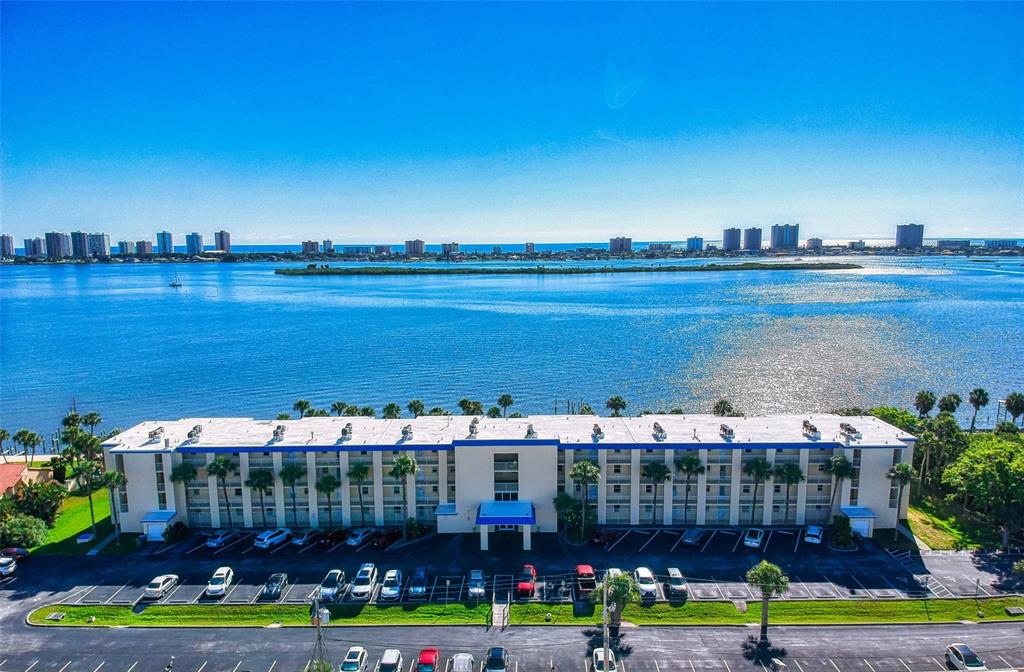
473	426
596	432
198	429
849	430
810	430
407	432
530	434
278	432
346	431
156	432
193	436
726	431
659	432
167	442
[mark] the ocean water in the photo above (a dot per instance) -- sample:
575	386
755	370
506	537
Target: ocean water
239	340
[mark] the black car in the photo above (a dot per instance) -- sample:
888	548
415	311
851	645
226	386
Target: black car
274	587
19	554
418	584
497	659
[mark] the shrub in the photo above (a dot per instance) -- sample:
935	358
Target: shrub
1007	429
24	531
41	500
175	532
842	535
413	528
1018	567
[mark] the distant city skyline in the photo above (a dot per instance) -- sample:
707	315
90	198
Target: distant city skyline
379	123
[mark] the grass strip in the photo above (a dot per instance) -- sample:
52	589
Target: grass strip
73	520
693	613
564	270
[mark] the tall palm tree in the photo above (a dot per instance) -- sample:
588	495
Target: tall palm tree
924	401
261	480
326	485
91	420
302	407
902	474
840	469
338	408
184	473
290	475
584	473
949	403
616	405
391	411
689	466
505	401
403	466
357	473
759	470
1015	405
415	407
90	469
464	405
657	473
71	421
788	474
220	468
4	435
28	440
978	398
772	582
114	480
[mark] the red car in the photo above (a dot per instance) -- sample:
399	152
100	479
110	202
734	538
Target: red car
429	660
385	538
527	581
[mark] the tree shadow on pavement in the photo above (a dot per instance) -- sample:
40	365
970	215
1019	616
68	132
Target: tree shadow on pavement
757	651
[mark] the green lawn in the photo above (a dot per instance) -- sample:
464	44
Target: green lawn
943	525
694	613
74	520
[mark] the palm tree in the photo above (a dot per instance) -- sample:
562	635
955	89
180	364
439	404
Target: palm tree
657	473
89	469
1015	405
220	468
621	590
772	582
71	421
759	470
584	473
290	475
368	412
28	440
261	480
978	398
301	407
465	405
338	408
924	401
616	405
184	473
788	474
505	401
403	466
949	403
4	435
689	466
114	480
840	468
493	412
391	411
723	408
326	486
358	472
91	420
415	407
902	474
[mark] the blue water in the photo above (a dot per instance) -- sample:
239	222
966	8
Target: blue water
239	340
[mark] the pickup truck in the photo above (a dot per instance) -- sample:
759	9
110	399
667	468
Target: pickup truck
586	582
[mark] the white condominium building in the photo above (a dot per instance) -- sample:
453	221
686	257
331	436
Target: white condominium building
478	475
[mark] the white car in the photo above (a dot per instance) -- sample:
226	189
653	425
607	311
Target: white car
159	586
677	583
477	584
365	582
390	661
646	583
7	566
332	584
359	536
220	538
220	582
753	538
961	657
813	534
463	662
598	663
272	538
391	588
355	660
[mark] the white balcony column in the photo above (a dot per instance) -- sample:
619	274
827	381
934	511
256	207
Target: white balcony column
602	487
847	482
702	489
483	538
634	486
668	495
442	477
313	497
243	475
211	483
769	493
378	487
801	488
527	530
736	486
346	489
569	486
279	512
410	490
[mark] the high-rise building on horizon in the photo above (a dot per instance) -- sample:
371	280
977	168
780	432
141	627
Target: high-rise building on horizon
194	243
414	248
79	244
620	245
310	247
752	239
99	245
731	240
165	242
126	247
328	246
694	244
448	249
143	247
530	248
6	245
814	243
382	249
785	236
58	245
35	247
909	236
222	241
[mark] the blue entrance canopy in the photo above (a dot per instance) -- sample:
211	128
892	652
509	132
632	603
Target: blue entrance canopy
506	513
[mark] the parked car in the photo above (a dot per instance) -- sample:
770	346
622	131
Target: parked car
497	659
527	583
694	536
331	586
221	538
391	587
463	662
813	534
419	582
676	583
390	661
365	581
355	660
272	538
646	583
7	566
385	538
220	582
306	538
274	586
359	536
19	554
961	657
586	581
338	536
429	660
477	584
160	586
599	664
753	538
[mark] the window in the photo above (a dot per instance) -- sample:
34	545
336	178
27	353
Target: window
821	488
778	489
616	489
397	490
746	489
721	491
649	489
616	469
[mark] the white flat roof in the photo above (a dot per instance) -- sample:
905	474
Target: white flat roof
574	431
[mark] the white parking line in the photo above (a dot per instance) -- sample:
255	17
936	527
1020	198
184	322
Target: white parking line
839	593
710	537
678	541
692	668
167	597
271	668
228	594
133	666
616	542
977	584
905	665
102	663
729	669
115	593
64	667
27	669
941	666
84	595
1008	666
648	541
204	665
798	666
233	543
834	665
870	666
237	666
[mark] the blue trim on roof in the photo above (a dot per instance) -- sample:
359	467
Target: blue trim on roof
506	513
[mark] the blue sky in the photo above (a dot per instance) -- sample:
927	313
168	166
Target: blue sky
507	122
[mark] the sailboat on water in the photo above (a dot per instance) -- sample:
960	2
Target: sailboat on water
176	282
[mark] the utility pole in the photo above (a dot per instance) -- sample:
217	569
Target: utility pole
604	621
319	660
